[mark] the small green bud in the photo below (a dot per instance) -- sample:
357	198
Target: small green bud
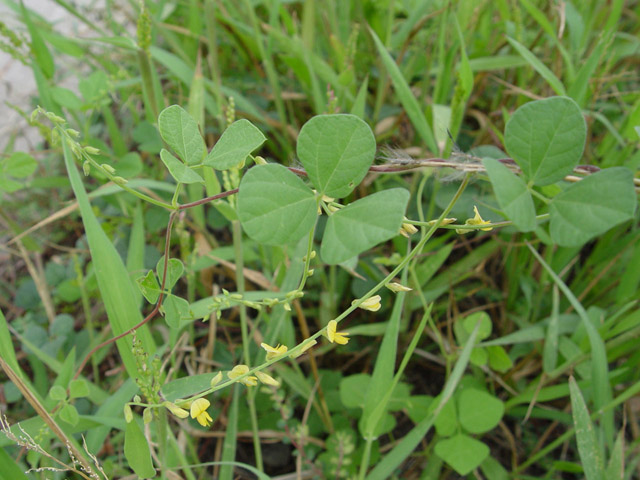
120	180
137	399
86	168
147	415
259	160
108	168
128	414
73	133
34	115
91	150
215	380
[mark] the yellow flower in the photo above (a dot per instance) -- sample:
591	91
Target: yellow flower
176	410
397	287
476	220
274	352
267	379
199	411
341	338
240	370
372	304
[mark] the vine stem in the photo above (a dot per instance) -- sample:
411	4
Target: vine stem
153	313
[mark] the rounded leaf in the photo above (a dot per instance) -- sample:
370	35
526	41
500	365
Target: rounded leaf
462	453
69	414
479	411
592	206
546	138
236	143
181	133
512	195
336	151
275	207
363	224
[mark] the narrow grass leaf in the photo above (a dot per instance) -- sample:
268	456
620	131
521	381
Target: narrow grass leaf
114	284
588	448
599	365
615	468
230	437
359	104
405	447
39	50
9	469
550	352
553	81
382	371
409	102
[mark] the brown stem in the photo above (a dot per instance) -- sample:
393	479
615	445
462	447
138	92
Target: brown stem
153	313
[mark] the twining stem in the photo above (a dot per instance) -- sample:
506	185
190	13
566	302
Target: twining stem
153	313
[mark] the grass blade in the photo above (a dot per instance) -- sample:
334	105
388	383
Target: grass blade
409	102
599	366
114	283
553	81
405	447
588	447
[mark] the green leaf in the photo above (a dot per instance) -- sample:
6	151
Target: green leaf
149	287
236	143
336	151
615	468
178	170
462	453
498	359
19	165
588	447
546	139
512	195
9	469
175	268
409	102
485	328
116	288
363	224
78	388
275	206
57	393
66	98
136	451
69	414
181	133
592	206
175	309
446	422
39	50
540	67
479	411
